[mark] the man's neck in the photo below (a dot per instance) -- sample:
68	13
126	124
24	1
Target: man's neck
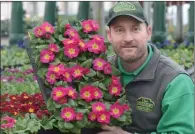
130	67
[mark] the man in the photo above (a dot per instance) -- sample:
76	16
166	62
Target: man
160	93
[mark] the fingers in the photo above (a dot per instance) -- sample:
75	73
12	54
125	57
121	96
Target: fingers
108	128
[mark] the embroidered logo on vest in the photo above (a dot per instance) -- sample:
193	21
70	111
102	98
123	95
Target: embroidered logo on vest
145	104
124	6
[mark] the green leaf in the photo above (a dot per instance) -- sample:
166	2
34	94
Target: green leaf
92	73
40	47
72	103
82	102
122	118
102	86
115	71
100	75
56	61
108	96
42	72
57	105
87	63
96	84
68	125
57	115
107	81
71	64
82	110
61	124
61	38
122	100
50	104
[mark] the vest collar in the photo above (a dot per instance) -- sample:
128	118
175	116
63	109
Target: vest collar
147	74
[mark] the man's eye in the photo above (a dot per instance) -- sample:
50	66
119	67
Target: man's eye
136	29
119	30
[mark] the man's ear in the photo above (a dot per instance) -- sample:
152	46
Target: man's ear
149	31
108	34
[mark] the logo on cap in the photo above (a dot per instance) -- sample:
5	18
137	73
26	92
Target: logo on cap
124	6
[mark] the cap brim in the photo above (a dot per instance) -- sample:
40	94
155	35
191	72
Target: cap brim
137	18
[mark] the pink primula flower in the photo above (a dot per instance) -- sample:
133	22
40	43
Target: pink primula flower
98	64
71	33
95	25
39	32
82	45
10	122
71	51
79	116
48	27
104	117
95	46
115	89
51	77
46	56
107	68
68	114
92	116
57	69
66	76
98	107
87	26
116	110
70	42
53	47
67	26
71	92
58	93
78	71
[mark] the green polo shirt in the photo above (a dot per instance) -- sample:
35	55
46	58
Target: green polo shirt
179	96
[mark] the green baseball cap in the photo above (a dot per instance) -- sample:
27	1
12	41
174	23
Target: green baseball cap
133	9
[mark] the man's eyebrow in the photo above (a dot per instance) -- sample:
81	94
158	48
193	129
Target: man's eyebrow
117	26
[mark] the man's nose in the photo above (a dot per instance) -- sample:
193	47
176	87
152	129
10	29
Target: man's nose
128	37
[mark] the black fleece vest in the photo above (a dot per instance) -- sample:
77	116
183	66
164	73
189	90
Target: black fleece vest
145	92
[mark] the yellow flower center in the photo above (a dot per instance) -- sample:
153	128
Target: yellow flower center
39	31
87	27
31	110
71	33
26	97
98	108
70	92
103	117
95	46
115	111
87	94
58	93
96	93
99	64
77	72
68	114
30	103
46	56
70	41
81	44
114	89
52	76
56	69
47	28
71	51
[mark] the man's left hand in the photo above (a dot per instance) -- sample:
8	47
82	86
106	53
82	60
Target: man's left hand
113	130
